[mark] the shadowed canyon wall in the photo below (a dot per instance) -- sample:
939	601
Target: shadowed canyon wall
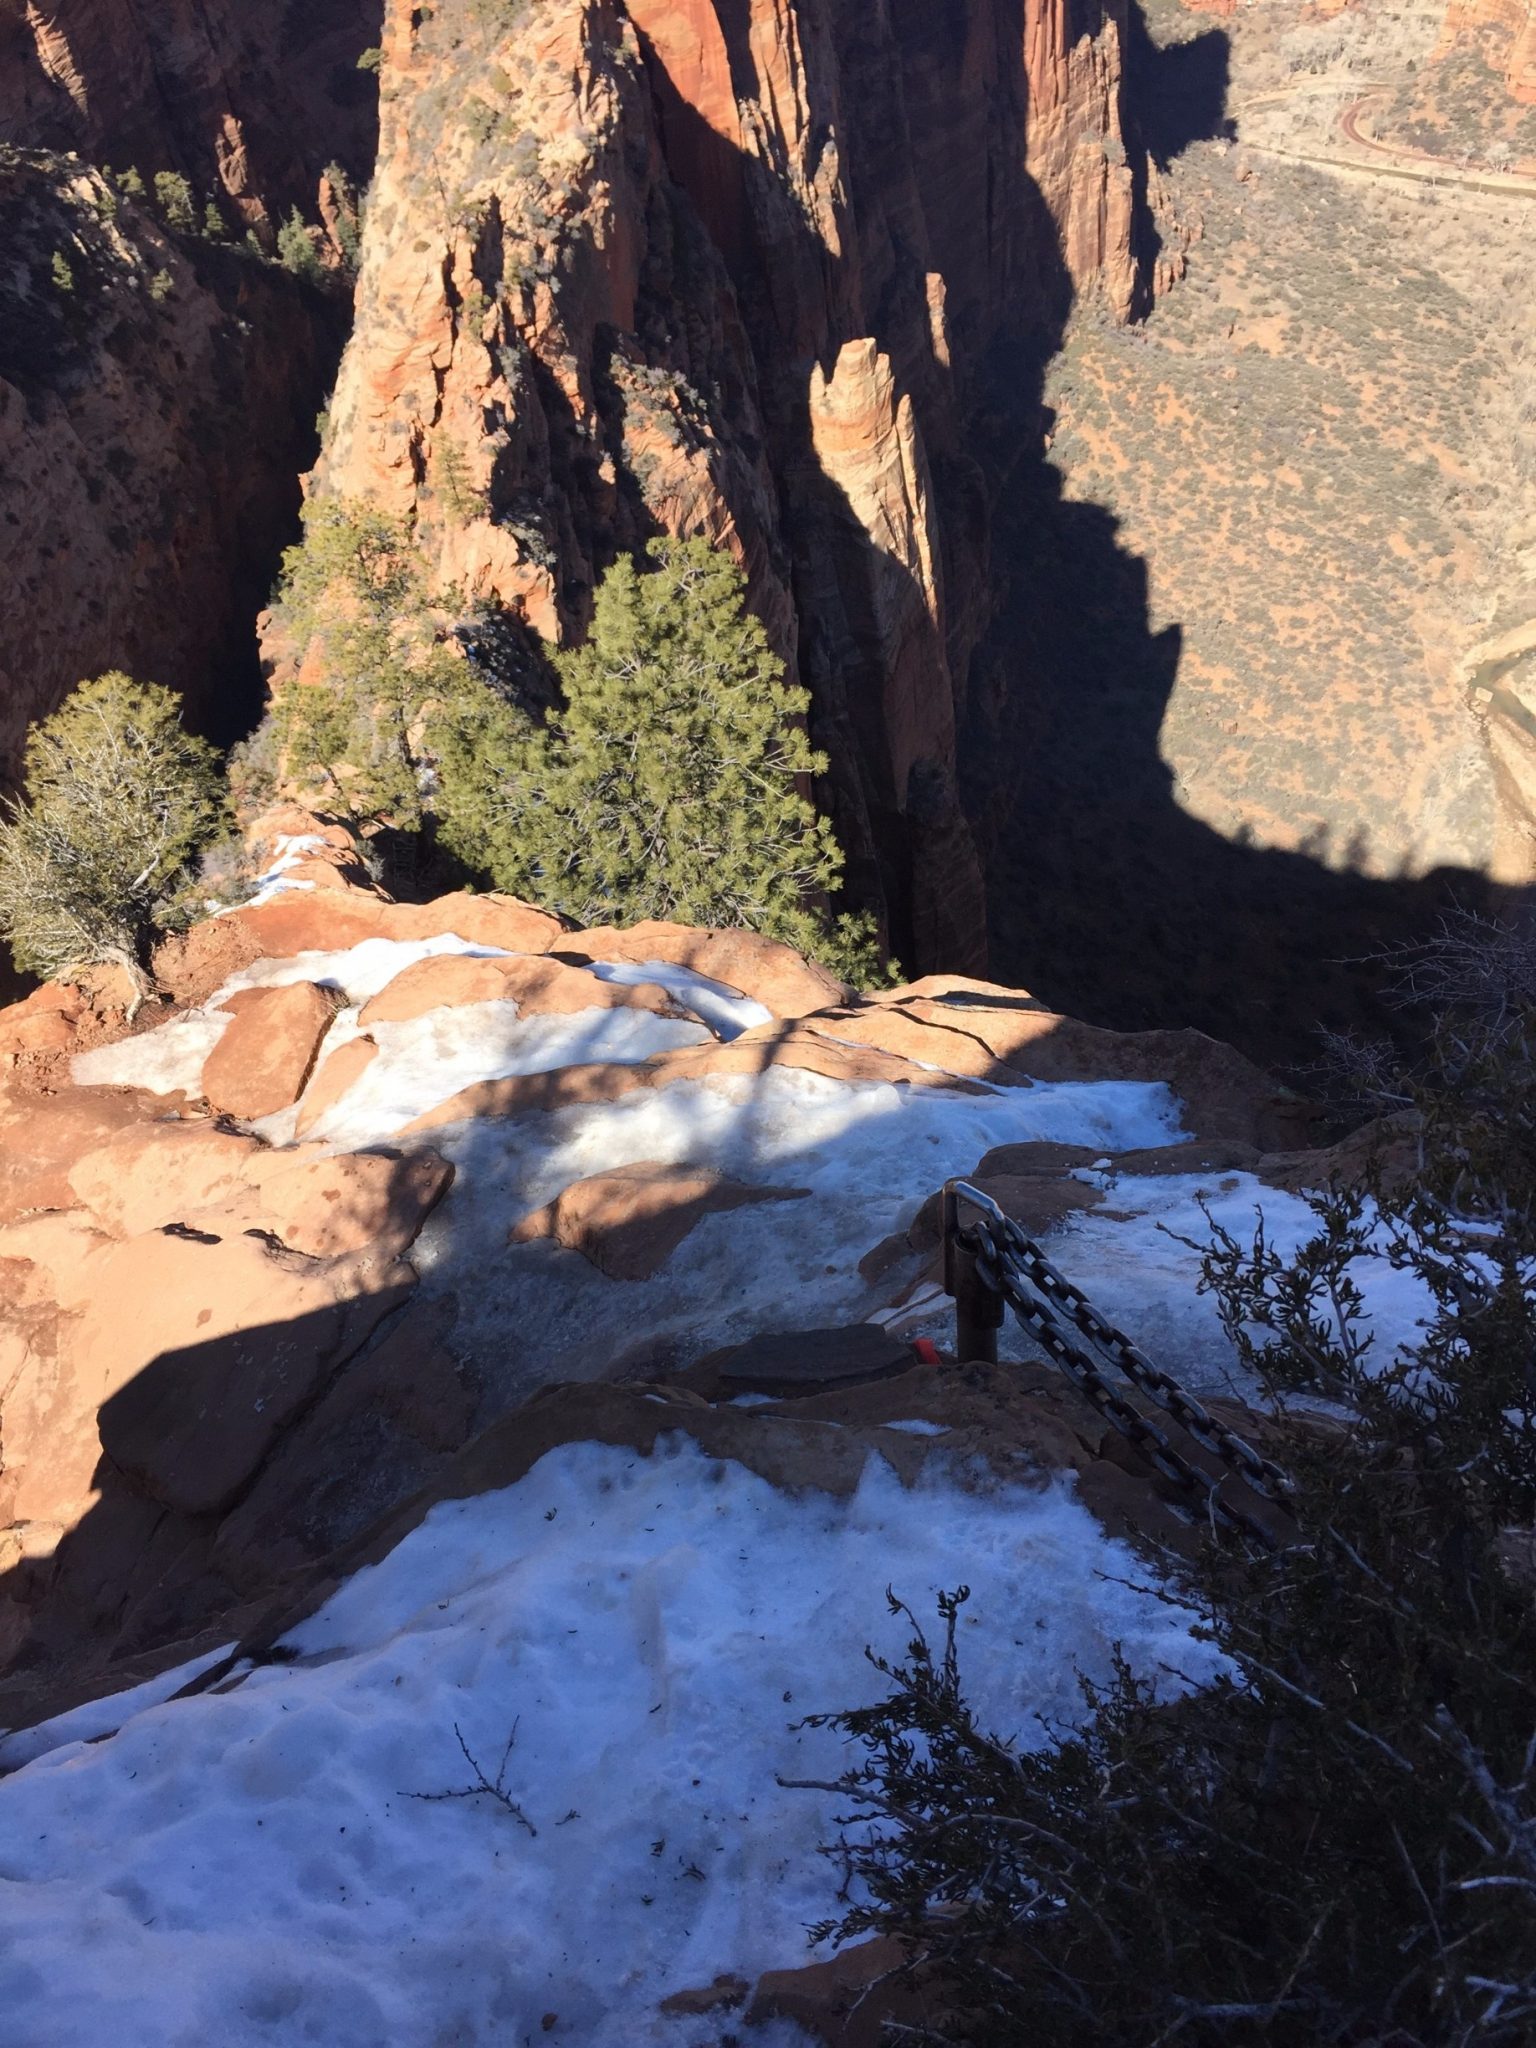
157	396
741	267
158	391
253	100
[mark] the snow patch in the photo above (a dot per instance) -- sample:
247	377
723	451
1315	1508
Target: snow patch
1137	1273
163	1060
262	1864
424	1060
870	1154
726	1011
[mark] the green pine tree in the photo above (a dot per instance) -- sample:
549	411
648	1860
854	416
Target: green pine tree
358	732
296	249
672	784
117	798
174	195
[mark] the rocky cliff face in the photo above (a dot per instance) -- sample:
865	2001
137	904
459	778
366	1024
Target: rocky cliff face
252	101
157	397
1507	31
158	393
677	266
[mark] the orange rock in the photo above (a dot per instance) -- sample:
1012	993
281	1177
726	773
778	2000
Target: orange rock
768	971
333	1077
539	987
232	1335
490	920
42	1137
190	966
330	1206
446	981
329	920
628	1223
266	1055
841	2002
725	1994
197	1354
153	1174
1225	1096
312	921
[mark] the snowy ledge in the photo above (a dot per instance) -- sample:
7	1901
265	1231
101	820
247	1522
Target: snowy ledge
261	1864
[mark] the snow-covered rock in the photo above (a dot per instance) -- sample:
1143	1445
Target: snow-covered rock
449	1382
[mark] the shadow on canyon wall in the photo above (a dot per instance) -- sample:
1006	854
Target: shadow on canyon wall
1104	897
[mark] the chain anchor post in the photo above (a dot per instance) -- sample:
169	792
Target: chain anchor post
979	1306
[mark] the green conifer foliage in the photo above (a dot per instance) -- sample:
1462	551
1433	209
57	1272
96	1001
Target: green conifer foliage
117	799
174	195
296	248
358	733
672	785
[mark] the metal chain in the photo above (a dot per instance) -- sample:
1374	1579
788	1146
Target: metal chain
1014	1266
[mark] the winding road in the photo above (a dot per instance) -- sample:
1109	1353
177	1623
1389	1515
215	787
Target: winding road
1382	159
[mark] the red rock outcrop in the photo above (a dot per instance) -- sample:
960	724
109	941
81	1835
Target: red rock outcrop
629	1222
215	1366
266	1055
736	271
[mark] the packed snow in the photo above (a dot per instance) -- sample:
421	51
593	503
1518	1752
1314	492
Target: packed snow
1133	1267
171	1056
277	1862
421	1061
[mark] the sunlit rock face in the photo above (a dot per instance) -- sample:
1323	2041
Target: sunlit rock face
680	266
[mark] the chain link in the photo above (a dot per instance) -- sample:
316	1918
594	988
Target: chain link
1044	1300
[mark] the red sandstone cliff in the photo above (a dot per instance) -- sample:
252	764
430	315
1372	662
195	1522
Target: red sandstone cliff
677	265
158	393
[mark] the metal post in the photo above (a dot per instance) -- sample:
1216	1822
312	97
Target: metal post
978	1306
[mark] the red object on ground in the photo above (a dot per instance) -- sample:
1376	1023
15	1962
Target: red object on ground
924	1351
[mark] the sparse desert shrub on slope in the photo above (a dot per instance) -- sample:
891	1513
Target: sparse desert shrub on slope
117	798
1337	1843
671	783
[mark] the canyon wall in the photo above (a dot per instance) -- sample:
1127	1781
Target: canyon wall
1506	29
158	391
751	268
249	101
156	399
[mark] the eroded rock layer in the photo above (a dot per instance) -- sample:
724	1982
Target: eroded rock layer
685	267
